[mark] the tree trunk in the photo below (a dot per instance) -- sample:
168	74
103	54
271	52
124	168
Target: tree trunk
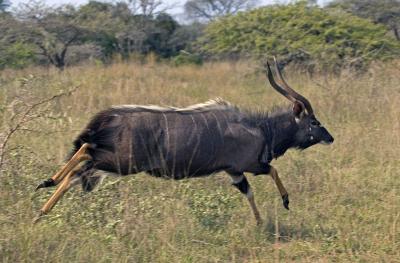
396	33
60	60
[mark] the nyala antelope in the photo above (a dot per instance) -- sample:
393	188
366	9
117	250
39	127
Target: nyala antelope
199	140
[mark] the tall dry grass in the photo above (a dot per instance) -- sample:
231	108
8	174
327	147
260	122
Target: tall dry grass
345	199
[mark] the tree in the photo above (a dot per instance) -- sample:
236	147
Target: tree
57	36
125	31
107	22
14	52
299	33
53	31
4	4
386	12
185	36
147	7
209	10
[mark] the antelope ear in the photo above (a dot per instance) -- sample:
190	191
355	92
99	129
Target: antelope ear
298	109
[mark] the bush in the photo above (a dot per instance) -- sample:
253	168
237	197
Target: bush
185	58
299	33
18	55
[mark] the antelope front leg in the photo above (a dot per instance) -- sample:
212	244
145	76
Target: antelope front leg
285	196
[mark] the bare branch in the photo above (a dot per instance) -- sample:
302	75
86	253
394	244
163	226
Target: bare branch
212	9
24	118
147	7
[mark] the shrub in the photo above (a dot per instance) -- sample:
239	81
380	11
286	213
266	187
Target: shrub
185	58
17	55
299	33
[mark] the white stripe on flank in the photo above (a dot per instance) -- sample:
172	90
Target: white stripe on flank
166	130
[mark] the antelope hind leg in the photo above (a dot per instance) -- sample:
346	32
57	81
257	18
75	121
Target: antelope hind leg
78	157
241	183
65	185
250	198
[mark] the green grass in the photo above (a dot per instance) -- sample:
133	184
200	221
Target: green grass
345	199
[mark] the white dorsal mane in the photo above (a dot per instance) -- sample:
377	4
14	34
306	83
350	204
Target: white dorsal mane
214	104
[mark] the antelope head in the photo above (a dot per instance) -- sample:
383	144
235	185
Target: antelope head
310	131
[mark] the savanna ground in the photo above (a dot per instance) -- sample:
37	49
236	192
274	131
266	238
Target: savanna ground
345	199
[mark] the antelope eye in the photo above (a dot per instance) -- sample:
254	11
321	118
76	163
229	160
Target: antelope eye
315	123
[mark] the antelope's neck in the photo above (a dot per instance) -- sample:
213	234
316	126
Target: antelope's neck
281	133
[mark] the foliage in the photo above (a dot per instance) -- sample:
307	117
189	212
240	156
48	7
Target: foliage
53	31
147	7
87	52
185	58
18	55
14	53
208	10
4	4
159	40
185	36
105	21
386	12
299	33
121	28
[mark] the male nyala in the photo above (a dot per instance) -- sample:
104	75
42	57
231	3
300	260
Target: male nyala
199	140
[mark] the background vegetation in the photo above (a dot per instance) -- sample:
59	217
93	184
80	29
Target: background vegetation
344	198
60	65
347	34
307	35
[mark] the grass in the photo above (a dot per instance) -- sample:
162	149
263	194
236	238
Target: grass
345	198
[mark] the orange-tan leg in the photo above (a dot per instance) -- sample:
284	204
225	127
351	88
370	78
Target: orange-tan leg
64	186
241	183
58	177
285	196
78	157
250	198
61	190
64	177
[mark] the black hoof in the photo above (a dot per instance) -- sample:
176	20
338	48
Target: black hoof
285	199
47	183
37	218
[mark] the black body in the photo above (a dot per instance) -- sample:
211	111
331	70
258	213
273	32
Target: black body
192	142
